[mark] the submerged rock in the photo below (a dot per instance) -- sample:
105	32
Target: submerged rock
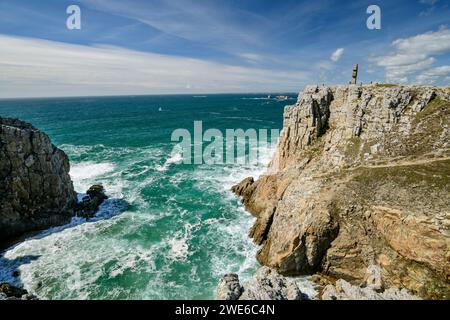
36	191
90	203
266	284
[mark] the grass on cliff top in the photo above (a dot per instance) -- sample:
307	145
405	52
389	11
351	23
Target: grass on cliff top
386	85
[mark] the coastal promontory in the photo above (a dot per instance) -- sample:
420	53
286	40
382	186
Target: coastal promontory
360	178
36	191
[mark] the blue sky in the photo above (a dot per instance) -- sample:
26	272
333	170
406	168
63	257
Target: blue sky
203	46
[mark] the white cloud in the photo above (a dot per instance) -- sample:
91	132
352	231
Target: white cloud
198	21
431	7
428	43
337	55
434	74
413	57
34	67
251	57
428	2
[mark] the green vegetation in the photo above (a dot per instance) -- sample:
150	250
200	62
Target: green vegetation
434	174
315	149
386	85
353	147
432	107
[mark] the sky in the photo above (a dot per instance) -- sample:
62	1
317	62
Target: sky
209	46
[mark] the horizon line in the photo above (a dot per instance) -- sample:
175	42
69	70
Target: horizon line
152	95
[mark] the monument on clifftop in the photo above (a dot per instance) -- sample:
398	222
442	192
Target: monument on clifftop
355	74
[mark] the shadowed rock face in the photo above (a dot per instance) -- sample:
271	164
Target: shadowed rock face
36	191
360	177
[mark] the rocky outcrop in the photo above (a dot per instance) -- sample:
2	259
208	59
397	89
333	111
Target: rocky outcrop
36	191
90	204
266	284
360	177
229	288
343	290
9	292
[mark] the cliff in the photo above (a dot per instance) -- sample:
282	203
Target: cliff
361	177
36	191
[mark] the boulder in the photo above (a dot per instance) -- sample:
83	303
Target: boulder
266	284
229	288
89	205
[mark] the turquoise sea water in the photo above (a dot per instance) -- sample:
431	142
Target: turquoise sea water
183	229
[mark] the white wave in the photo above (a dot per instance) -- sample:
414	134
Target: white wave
74	260
78	150
179	247
237	239
176	157
85	172
229	175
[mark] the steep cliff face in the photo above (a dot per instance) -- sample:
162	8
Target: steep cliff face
361	177
35	190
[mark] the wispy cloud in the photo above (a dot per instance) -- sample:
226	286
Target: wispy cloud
178	46
434	74
32	67
337	55
193	20
413	58
431	7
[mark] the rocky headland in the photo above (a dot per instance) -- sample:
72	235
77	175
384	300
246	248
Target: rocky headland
360	179
36	191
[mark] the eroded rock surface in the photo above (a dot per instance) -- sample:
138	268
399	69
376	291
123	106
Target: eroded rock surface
229	288
36	191
266	284
372	290
361	177
90	204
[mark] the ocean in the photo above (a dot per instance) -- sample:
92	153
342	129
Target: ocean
169	230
